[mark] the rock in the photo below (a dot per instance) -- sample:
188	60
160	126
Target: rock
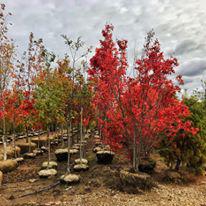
1	178
51	165
147	165
70	178
29	155
105	157
81	167
24	146
8	165
32	180
47	173
81	161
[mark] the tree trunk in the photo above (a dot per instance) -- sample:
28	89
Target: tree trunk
4	139
49	145
62	134
177	166
29	138
69	133
14	141
81	135
136	153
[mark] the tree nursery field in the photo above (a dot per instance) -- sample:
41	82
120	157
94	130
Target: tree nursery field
81	130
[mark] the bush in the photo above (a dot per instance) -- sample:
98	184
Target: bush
188	152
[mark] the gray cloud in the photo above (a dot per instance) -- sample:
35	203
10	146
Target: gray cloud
193	68
187	46
180	25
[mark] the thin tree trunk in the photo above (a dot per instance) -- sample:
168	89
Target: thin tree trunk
38	142
136	152
4	139
14	141
27	136
69	133
134	157
62	134
49	146
81	135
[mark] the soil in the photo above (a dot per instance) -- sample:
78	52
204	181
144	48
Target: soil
96	187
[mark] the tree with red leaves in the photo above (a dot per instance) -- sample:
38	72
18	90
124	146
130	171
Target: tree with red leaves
27	70
6	68
151	102
107	74
136	110
13	112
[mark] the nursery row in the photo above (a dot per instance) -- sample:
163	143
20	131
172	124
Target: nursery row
134	115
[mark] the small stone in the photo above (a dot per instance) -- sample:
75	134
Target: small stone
32	180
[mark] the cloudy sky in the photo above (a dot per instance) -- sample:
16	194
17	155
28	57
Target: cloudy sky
179	24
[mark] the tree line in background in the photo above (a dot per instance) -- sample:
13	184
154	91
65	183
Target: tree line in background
140	113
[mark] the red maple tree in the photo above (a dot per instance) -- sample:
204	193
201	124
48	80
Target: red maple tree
136	110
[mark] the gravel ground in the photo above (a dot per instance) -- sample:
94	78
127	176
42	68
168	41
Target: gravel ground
164	195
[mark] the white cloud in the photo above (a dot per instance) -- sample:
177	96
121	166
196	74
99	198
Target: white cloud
179	25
